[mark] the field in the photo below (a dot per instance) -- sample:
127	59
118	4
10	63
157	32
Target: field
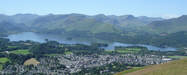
31	61
10	47
23	52
3	61
178	67
178	57
1	67
128	50
108	51
68	52
52	54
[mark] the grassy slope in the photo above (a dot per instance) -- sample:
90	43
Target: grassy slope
170	25
129	71
178	67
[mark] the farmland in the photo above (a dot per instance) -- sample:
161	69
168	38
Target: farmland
23	52
3	61
128	50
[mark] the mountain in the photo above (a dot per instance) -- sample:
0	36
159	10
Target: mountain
177	39
10	27
5	18
149	19
125	28
24	18
81	23
19	18
170	25
73	22
77	24
15	23
177	67
93	24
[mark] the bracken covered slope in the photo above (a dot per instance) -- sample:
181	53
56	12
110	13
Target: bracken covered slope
178	67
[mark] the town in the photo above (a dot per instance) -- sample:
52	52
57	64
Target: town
68	64
53	58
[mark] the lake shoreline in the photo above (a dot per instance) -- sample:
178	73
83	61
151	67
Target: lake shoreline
39	37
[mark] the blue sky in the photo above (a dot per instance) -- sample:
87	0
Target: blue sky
153	8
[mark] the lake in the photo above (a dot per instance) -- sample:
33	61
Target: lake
41	38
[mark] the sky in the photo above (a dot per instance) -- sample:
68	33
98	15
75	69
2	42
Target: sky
151	8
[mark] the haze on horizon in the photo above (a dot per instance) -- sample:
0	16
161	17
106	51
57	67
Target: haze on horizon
151	8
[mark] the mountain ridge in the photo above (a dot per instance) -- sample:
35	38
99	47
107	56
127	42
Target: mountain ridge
126	28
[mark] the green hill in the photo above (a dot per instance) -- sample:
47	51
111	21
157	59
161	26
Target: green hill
10	27
178	67
93	24
77	23
110	28
170	25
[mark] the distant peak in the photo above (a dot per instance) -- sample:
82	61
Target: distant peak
183	16
25	14
101	15
130	17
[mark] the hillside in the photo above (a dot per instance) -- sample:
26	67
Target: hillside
178	67
18	18
10	27
110	28
80	22
170	25
74	22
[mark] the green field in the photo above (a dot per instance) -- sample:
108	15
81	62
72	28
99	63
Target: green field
3	61
178	57
52	54
128	50
10	47
68	52
1	67
22	52
109	51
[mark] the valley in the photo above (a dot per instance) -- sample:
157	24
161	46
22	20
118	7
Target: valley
93	37
101	28
77	44
52	57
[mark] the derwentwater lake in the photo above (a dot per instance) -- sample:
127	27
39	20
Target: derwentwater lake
41	38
